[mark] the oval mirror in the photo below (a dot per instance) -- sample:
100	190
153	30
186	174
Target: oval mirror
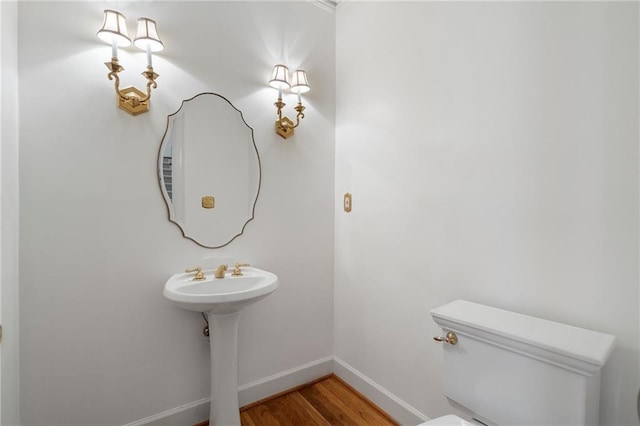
209	170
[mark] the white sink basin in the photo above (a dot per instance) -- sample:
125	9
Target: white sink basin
220	295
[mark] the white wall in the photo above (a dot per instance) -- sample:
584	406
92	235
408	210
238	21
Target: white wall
491	149
492	152
9	391
99	343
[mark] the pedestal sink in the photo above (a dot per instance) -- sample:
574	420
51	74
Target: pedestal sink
222	299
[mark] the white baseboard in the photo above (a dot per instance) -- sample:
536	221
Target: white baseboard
198	411
263	388
187	414
398	409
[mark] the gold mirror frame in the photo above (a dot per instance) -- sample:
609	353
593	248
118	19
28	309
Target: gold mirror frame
163	187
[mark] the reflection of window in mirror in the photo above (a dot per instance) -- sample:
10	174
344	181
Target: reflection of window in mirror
207	149
166	174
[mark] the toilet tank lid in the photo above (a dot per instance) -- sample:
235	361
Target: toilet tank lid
556	341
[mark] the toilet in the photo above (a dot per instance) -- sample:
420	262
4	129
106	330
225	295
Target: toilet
450	420
505	368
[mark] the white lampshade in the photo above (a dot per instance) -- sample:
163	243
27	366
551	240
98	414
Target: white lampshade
280	77
114	28
147	35
299	83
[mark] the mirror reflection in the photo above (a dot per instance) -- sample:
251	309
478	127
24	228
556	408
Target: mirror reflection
209	170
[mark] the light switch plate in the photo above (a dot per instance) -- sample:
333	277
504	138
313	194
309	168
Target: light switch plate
347	202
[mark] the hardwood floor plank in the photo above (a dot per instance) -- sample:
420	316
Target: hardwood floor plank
290	411
361	415
310	411
261	415
245	419
325	402
326	406
371	414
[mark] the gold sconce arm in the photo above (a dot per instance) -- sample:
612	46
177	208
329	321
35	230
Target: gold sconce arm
284	125
151	77
115	68
299	108
131	99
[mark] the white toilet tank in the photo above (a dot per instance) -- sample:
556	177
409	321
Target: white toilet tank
513	369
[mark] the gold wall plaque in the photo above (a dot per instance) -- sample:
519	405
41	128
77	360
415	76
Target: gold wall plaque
208	202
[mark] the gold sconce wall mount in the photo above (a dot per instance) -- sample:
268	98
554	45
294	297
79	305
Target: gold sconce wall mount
114	32
296	83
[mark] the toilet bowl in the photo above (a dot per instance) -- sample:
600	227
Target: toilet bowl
449	420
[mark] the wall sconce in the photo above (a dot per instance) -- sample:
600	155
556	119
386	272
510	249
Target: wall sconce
114	32
297	84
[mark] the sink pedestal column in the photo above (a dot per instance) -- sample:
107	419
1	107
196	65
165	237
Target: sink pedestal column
223	341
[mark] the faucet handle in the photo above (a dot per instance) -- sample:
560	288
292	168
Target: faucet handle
199	276
237	271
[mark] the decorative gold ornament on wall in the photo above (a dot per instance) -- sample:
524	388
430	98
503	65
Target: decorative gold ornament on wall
296	83
114	32
208	202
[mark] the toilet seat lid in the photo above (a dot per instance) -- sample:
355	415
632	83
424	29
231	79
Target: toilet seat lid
449	420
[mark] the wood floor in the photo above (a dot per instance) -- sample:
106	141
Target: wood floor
328	401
